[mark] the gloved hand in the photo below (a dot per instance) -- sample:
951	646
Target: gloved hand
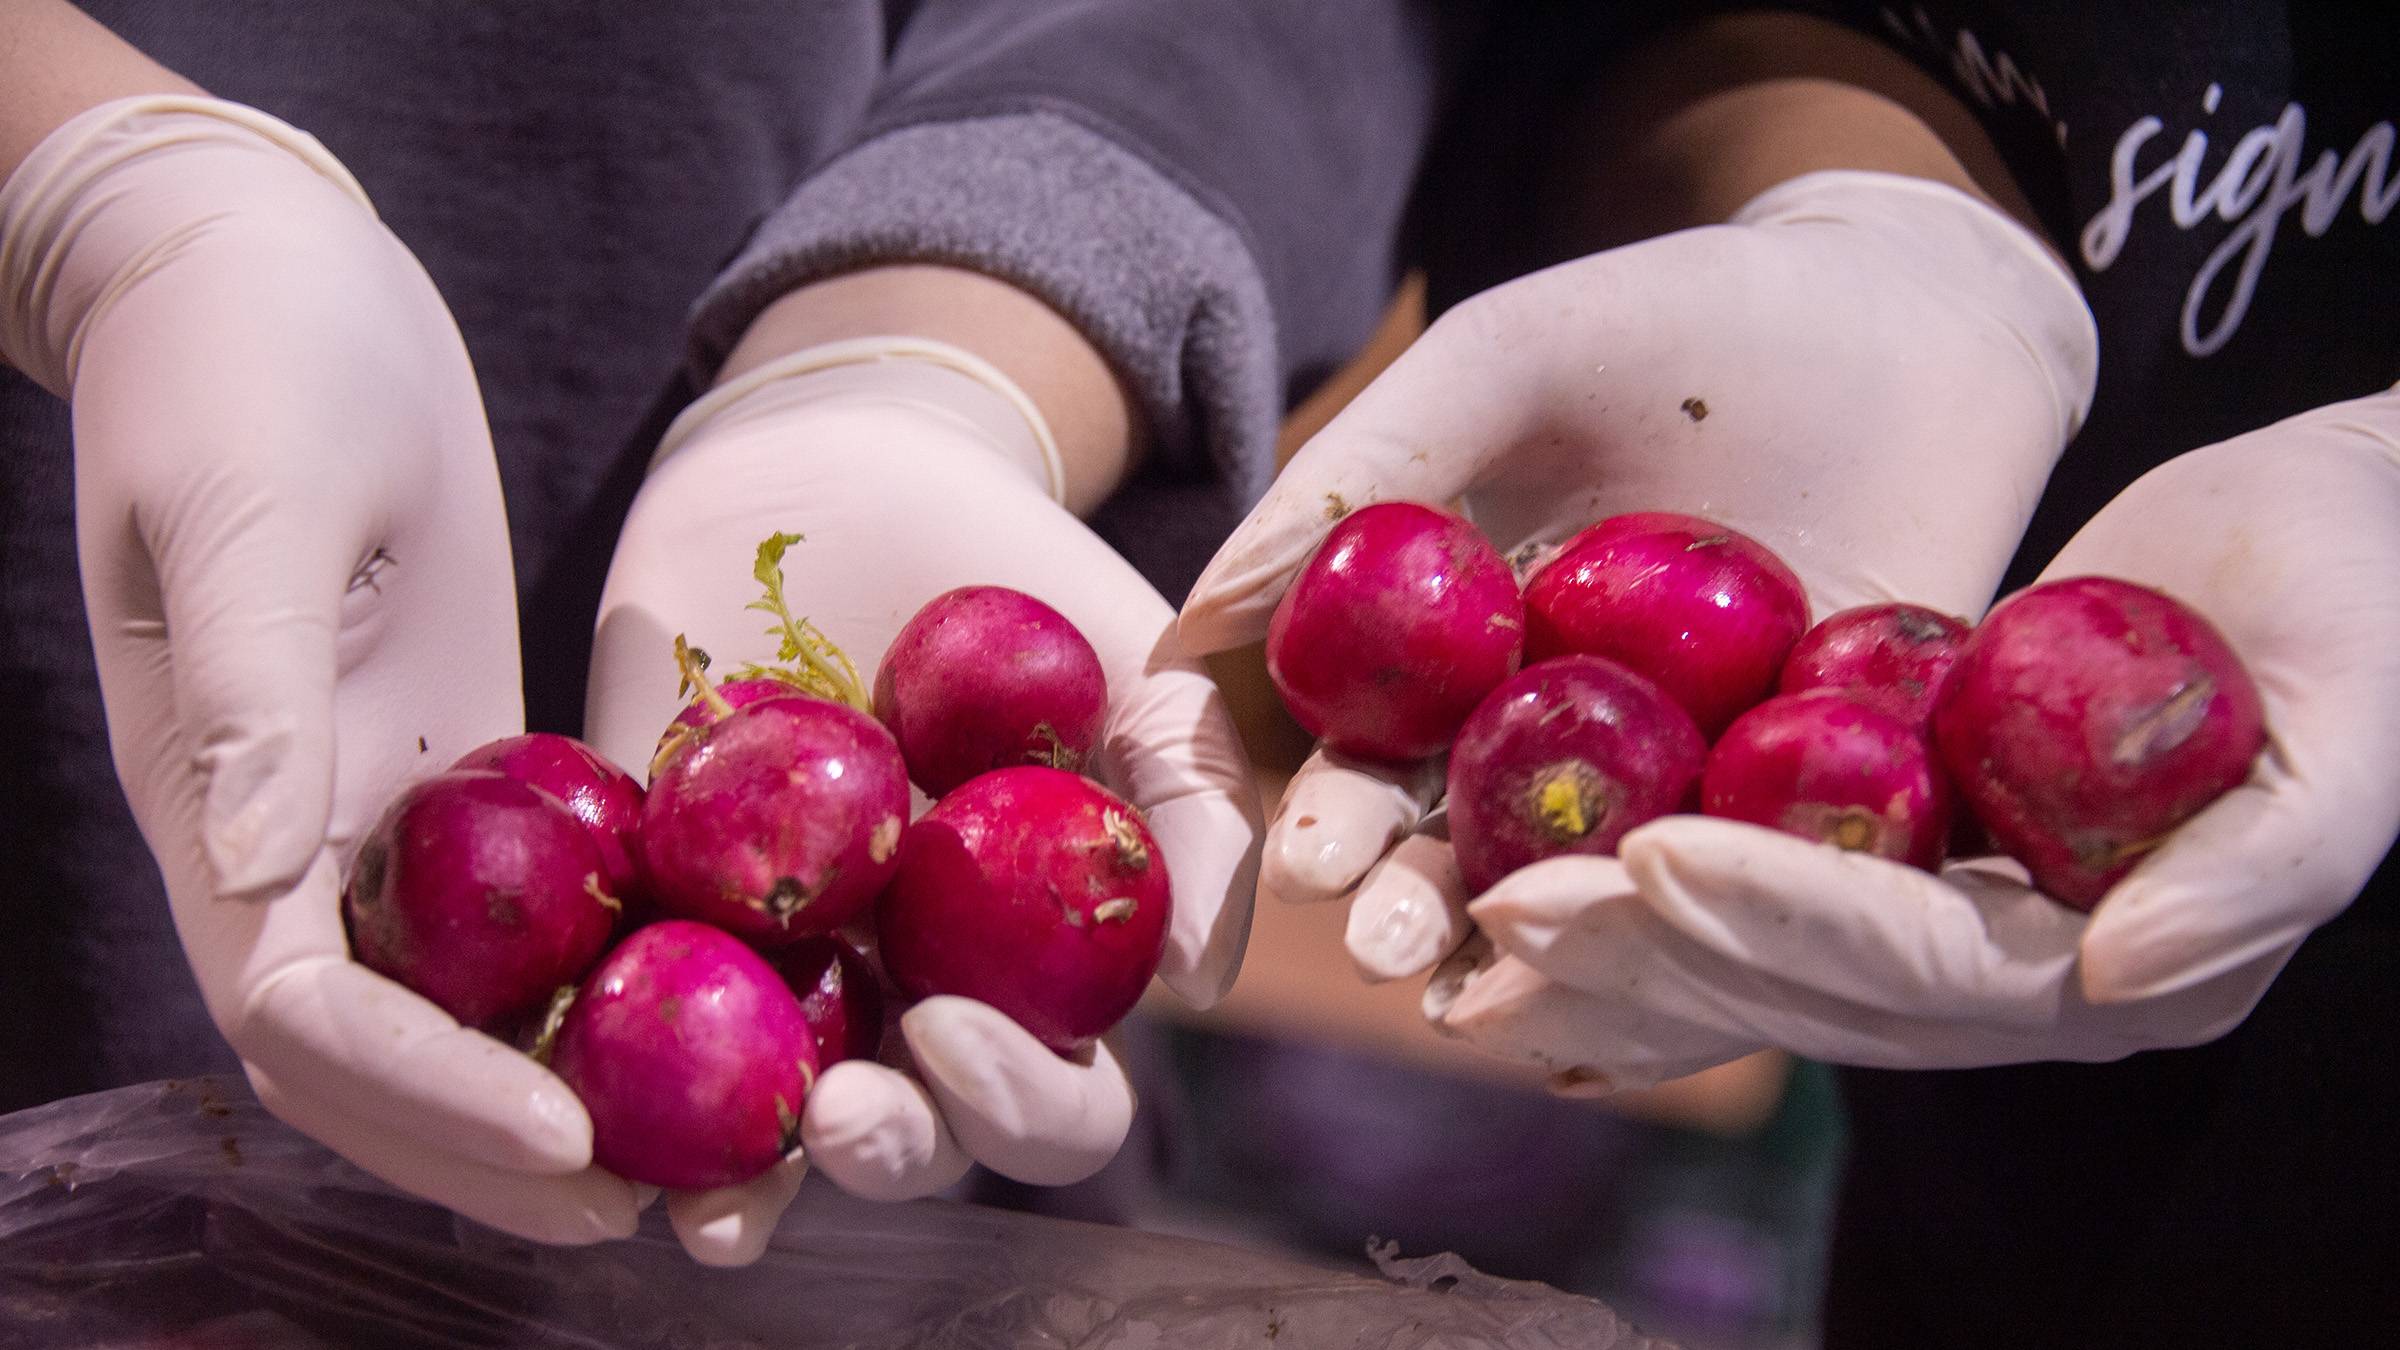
2288	538
910	468
1870	374
298	578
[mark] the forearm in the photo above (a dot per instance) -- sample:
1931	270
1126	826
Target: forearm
1087	407
56	62
1695	123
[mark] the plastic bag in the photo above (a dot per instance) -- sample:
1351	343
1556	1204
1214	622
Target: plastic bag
181	1214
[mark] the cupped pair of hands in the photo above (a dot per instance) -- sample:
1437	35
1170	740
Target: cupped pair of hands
297	569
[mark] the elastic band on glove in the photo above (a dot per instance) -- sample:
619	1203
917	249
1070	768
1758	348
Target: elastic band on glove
918	372
62	258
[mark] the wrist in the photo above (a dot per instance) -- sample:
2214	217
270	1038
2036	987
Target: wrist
1035	351
923	377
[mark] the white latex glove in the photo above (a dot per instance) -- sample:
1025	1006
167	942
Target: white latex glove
911	468
1870	374
297	572
2288	538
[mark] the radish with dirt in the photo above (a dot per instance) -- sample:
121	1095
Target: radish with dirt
1397	626
1892	656
691	1055
604	797
1825	766
1706	612
780	819
481	893
2086	719
983	678
1564	758
1036	891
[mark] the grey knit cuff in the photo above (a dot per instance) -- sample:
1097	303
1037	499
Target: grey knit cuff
1166	289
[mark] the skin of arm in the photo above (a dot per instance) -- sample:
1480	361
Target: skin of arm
1086	405
56	62
1693	123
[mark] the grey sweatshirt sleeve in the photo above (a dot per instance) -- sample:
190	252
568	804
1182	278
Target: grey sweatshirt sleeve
1213	192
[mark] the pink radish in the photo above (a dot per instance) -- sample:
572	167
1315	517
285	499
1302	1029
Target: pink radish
737	694
2089	717
601	795
1824	766
778	821
1892	657
691	1055
1400	622
1036	891
1565	757
481	893
984	678
1705	611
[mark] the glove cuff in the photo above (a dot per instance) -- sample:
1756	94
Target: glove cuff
925	375
1936	231
67	247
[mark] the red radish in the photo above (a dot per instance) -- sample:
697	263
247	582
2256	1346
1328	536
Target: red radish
839	995
778	821
1036	891
601	795
691	1055
1565	757
1705	611
984	678
1399	624
481	893
698	713
2086	719
1824	766
1892	657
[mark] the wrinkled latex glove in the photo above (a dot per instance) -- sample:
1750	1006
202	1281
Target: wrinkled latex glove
297	572
1870	374
2288	539
911	468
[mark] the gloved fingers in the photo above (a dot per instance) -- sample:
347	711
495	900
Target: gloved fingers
1849	925
1586	1042
1339	817
1210	840
2192	1015
1645	985
1172	745
235	599
878	1134
355	1037
1013	1104
571	1208
1411	910
2254	873
2284	539
1425	430
730	1225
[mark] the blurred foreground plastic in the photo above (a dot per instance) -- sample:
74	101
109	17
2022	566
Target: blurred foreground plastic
181	1214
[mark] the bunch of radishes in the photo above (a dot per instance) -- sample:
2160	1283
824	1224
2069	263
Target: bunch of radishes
1660	663
688	958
